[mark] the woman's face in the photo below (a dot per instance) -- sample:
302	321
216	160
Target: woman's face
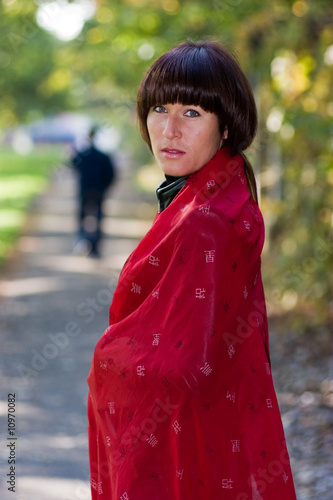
183	138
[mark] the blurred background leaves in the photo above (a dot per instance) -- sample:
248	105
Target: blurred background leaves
89	56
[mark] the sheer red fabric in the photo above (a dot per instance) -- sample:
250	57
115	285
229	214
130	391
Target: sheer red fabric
182	404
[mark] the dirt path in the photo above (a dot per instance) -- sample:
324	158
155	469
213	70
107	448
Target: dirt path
54	308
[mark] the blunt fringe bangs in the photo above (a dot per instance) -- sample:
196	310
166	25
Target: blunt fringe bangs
203	74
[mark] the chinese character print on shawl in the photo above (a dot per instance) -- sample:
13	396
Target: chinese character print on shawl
182	404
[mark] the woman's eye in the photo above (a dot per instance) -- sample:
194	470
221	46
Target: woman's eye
192	113
159	109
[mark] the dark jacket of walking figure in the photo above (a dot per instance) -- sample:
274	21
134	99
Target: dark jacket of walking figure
96	174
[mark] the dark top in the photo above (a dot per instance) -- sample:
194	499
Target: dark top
96	170
167	191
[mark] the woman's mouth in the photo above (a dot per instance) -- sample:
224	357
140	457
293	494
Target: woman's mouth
172	153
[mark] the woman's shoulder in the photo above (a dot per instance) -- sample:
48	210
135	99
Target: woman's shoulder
226	220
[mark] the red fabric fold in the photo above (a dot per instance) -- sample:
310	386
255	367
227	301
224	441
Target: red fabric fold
182	404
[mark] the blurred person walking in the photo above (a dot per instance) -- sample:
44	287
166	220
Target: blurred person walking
96	173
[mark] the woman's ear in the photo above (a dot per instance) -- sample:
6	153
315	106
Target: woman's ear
224	136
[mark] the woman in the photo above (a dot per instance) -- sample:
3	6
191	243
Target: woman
182	404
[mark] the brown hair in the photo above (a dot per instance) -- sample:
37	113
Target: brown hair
204	74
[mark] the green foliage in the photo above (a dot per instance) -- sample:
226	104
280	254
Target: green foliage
22	178
27	66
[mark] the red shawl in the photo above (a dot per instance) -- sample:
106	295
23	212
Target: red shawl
182	404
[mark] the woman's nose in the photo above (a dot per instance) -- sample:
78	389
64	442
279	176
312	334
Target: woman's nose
172	128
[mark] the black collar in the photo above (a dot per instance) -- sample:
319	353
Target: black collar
168	190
